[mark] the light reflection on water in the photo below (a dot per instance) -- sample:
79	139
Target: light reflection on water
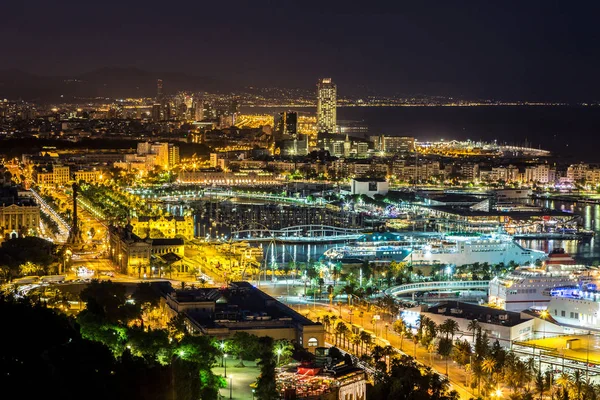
584	251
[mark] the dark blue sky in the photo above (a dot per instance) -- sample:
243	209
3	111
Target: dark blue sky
502	49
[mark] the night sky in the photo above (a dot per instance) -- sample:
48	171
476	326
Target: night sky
507	50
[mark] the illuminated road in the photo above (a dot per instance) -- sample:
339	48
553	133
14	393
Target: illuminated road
63	227
457	375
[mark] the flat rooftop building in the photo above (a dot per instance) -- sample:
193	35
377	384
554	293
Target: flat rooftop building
501	325
221	312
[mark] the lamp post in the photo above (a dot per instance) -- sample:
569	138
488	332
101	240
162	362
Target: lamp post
230	387
253	391
222	345
225	363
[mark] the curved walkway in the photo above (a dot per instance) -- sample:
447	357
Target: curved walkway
444	285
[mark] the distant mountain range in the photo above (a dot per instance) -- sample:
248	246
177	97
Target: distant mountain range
112	82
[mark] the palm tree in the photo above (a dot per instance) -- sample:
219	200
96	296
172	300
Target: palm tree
388	351
341	329
348	290
356	341
326	322
415	340
488	366
431	349
400	328
450	327
473	327
365	338
332	319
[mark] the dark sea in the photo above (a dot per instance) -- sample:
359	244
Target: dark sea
573	132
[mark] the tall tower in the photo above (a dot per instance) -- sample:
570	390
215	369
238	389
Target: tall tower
326	106
159	90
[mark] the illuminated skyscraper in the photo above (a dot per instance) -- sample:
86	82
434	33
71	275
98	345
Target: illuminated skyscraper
326	105
159	90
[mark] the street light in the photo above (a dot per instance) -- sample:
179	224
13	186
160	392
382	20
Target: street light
222	345
225	362
230	386
253	391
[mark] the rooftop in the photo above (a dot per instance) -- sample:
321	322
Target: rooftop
241	305
475	312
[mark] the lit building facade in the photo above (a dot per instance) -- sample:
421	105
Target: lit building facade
326	106
51	175
164	226
89	176
136	256
242	178
21	218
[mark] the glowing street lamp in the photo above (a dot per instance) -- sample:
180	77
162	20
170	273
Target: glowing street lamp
222	345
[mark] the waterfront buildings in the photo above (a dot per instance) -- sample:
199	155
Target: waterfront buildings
19	214
164	226
369	186
241	307
504	326
393	144
326	106
51	174
240	178
576	306
134	255
89	175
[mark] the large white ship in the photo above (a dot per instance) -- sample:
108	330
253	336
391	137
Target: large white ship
448	249
464	250
530	287
576	306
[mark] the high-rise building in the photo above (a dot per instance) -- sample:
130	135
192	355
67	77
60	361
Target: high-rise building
159	89
287	123
326	106
198	108
397	144
156	112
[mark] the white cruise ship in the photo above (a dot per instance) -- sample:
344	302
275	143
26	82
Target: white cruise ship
463	250
576	307
447	249
528	287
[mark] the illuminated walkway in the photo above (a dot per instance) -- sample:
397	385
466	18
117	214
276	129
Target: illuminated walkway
428	286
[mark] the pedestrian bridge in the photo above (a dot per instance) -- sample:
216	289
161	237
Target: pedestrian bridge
298	233
432	286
